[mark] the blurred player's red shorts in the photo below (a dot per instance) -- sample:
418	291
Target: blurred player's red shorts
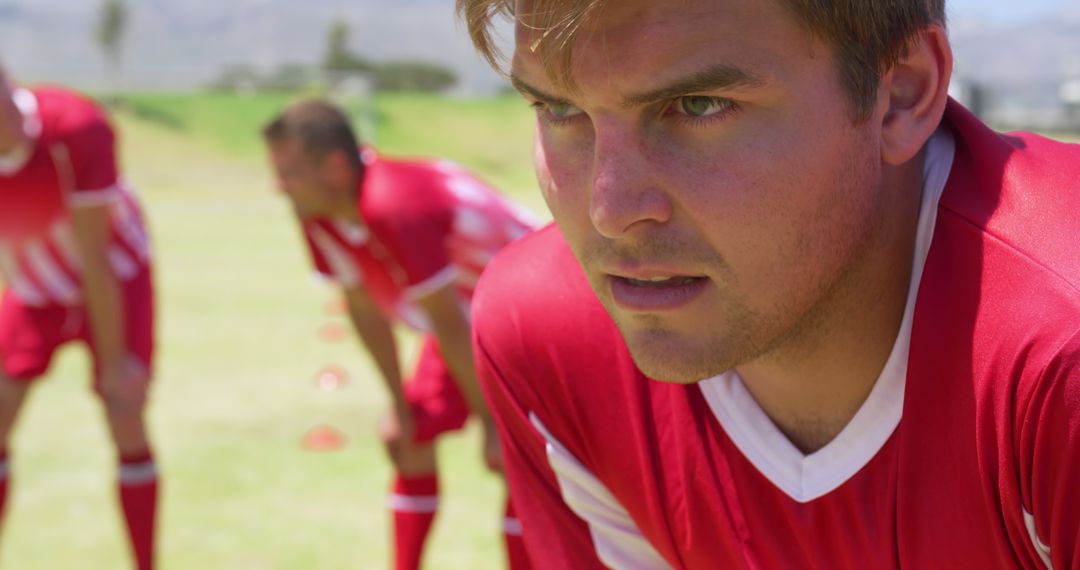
30	335
437	404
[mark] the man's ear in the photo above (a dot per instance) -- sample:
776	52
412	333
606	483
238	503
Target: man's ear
914	93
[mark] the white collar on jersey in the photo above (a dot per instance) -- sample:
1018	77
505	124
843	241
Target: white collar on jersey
808	477
27	104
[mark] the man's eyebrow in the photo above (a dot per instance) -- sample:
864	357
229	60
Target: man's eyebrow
714	78
526	89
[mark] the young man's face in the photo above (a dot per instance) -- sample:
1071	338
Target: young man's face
304	178
707	173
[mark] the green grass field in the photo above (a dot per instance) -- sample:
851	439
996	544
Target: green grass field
238	353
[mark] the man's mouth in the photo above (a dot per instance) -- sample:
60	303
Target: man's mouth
662	281
652	293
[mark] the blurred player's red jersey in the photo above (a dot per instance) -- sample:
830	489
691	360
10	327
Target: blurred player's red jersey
71	164
965	455
425	225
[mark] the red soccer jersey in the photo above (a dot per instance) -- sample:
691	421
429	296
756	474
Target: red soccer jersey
965	455
71	164
425	225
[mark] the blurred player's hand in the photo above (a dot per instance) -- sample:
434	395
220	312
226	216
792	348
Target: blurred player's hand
397	426
124	383
406	425
492	451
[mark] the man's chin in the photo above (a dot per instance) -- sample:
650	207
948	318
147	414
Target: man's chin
670	360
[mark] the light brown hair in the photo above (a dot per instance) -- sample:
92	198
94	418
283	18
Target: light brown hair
868	36
319	126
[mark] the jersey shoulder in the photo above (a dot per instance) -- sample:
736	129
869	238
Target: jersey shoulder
65	113
1021	192
1003	273
534	310
394	189
537	282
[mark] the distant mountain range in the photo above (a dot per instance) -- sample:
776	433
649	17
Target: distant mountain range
185	43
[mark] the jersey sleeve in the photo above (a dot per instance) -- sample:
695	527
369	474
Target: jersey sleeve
90	145
554	536
1050	440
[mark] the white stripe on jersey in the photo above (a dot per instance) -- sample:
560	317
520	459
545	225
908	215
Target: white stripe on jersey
480	257
354	234
58	285
346	273
121	262
62	236
129	226
471	223
14	279
52	263
618	542
444	277
93	198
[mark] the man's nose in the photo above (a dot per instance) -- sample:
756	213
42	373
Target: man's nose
625	192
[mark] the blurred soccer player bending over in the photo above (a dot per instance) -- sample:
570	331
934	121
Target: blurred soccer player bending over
406	242
799	311
75	263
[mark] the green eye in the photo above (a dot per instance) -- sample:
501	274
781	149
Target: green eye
562	110
700	105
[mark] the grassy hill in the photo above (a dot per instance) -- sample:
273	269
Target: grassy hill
239	351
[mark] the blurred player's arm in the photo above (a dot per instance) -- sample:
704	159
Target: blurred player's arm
378	336
122	378
87	163
451	326
101	288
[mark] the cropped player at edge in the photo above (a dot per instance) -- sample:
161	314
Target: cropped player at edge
406	240
798	310
75	264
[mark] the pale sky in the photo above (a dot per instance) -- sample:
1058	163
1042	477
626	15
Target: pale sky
1003	12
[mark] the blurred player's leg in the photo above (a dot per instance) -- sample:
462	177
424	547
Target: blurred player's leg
138	480
516	559
414	499
12	395
137	476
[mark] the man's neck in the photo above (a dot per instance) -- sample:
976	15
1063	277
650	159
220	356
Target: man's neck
12	146
348	205
814	383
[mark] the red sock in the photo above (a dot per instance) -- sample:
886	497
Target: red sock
516	559
413	502
138	499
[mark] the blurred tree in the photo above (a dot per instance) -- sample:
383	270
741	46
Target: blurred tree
338	62
110	33
413	76
240	78
289	77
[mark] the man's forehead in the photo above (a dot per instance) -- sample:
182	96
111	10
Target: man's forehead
644	43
